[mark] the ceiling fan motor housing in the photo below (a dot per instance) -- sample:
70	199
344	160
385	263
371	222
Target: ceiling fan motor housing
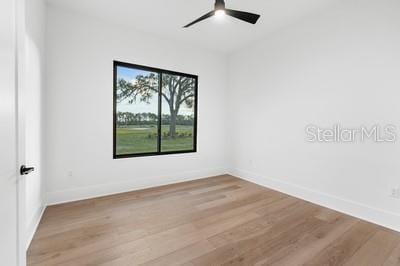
219	4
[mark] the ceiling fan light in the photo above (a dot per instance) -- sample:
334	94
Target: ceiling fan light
219	13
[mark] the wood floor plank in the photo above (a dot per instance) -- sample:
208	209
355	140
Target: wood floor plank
247	245
394	257
343	248
213	221
275	221
376	250
182	256
264	248
316	241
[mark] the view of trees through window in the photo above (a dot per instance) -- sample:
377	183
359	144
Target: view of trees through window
155	111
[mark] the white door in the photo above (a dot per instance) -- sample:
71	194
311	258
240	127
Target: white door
9	218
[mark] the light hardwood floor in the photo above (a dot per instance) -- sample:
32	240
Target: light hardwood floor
216	221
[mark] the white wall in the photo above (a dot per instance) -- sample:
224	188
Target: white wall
80	54
34	84
339	66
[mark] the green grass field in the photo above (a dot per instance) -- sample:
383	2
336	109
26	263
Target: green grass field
143	139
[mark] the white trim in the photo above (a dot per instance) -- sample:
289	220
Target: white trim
81	193
378	216
20	57
33	225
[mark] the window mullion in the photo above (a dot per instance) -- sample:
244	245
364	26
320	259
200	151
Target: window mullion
159	111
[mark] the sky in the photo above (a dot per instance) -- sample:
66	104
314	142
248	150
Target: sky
130	74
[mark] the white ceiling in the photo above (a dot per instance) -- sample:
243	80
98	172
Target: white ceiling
166	18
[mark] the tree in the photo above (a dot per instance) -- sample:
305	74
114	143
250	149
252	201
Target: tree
176	90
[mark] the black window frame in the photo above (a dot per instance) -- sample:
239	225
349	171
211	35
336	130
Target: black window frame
159	71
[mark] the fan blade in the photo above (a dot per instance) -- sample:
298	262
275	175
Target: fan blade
245	16
209	14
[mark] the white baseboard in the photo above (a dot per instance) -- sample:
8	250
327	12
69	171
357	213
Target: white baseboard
63	196
378	216
33	225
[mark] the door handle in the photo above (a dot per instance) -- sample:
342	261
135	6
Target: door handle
26	170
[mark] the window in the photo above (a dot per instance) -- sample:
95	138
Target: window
155	111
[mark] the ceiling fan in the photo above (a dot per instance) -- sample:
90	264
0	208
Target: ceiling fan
220	10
